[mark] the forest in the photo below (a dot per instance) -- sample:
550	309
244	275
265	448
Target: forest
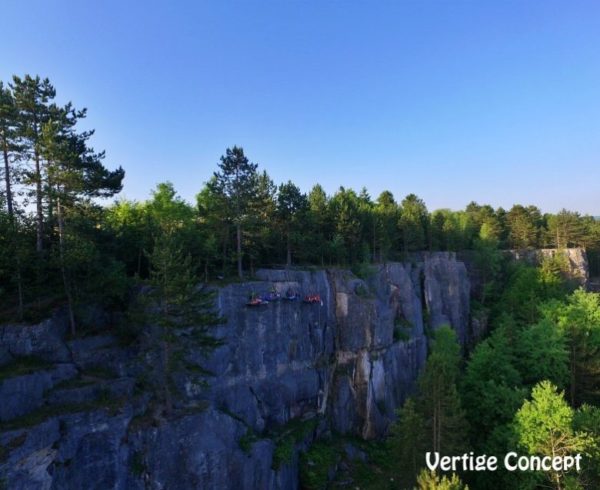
532	383
60	241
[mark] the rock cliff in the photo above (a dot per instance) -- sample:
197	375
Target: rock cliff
74	414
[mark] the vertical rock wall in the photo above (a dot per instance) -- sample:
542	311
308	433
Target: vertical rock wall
347	361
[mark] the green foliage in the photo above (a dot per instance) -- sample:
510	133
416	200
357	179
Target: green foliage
541	353
316	463
414	224
183	310
287	437
439	401
579	321
362	291
545	426
408	442
48	411
527	288
137	464
488	261
524	225
429	480
492	385
22	366
364	270
400	334
247	440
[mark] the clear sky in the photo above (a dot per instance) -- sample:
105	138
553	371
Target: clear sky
497	102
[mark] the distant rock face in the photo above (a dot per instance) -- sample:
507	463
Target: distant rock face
576	259
346	360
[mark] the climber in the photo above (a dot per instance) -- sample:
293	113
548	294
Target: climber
291	295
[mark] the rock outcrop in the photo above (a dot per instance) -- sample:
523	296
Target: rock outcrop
286	373
575	261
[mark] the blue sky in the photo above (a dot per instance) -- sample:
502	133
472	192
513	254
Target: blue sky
497	102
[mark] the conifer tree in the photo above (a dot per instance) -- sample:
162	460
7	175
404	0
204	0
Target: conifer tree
236	180
386	226
414	221
439	400
8	142
180	307
75	174
33	98
408	441
291	204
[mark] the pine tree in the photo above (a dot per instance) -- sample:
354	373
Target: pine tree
408	442
414	221
386	226
439	400
214	221
75	174
33	97
320	223
565	229
9	142
183	310
291	205
236	180
579	320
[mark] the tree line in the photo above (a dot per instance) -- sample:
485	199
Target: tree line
242	220
58	243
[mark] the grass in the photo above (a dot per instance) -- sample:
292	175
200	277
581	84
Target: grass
22	366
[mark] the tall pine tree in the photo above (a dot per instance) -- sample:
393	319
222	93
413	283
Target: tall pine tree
236	180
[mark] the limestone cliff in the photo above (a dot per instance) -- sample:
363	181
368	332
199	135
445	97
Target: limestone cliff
286	373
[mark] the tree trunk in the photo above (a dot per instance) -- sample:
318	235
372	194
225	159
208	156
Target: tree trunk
288	261
11	216
166	390
239	250
63	268
573	374
19	285
39	211
9	201
139	263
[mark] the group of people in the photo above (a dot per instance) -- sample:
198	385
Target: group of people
273	295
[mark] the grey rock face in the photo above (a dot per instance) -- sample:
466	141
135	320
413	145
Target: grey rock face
349	359
447	293
275	358
204	452
5	357
44	340
22	394
576	258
